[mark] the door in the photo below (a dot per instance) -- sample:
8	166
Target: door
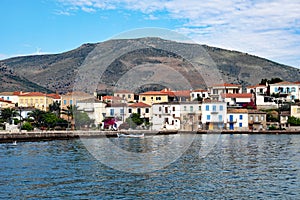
231	126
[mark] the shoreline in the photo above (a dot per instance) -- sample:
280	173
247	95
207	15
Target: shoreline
7	137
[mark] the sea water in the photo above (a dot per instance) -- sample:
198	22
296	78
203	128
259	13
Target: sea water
230	167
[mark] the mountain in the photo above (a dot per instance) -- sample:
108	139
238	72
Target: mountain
144	63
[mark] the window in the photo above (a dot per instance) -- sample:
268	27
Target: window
220	118
147	110
240	124
71	102
65	102
215	91
256	118
158	98
241	116
193	95
203	95
208	117
262	118
276	89
173	108
214	108
143	98
207	107
159	109
293	89
221	108
251	118
199	108
151	98
129	110
129	96
112	112
122	111
191	108
184	108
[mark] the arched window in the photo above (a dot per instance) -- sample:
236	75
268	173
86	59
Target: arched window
293	89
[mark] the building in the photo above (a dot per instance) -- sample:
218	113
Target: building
10	96
166	116
190	116
238	99
71	98
295	110
257	120
199	94
95	109
213	115
237	119
287	90
152	97
257	89
6	104
126	95
215	91
144	110
35	100
116	111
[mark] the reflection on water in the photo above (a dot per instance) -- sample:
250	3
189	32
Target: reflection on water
237	167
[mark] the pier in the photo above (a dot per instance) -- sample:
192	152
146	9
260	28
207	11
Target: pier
6	137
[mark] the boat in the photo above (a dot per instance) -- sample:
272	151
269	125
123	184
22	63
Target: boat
130	135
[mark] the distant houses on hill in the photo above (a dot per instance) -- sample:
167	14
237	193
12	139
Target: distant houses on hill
221	106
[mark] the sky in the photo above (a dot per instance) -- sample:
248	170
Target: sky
265	28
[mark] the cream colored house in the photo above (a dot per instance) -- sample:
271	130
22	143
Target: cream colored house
152	97
295	110
35	100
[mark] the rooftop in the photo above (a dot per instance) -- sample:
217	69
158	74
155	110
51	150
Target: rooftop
139	105
238	95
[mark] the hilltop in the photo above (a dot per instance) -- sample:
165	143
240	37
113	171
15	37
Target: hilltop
58	72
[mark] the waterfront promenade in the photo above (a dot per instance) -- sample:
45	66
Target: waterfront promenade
65	135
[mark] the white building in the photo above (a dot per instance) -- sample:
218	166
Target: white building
199	94
237	119
257	89
10	96
213	115
94	108
117	111
215	91
238	99
166	116
289	90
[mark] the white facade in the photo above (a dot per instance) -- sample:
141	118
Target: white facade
95	110
213	115
166	116
237	119
257	89
195	94
9	96
288	88
117	111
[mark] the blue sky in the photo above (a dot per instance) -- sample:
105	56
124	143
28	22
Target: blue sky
266	28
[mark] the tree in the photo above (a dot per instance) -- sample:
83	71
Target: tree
82	119
7	114
134	120
50	119
55	108
294	121
37	116
27	126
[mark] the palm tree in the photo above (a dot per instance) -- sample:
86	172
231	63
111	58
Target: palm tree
55	108
70	112
7	114
37	116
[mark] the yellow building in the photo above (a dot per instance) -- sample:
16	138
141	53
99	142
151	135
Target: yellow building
36	100
71	98
152	97
295	110
125	95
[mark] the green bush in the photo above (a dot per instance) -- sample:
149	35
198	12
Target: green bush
27	126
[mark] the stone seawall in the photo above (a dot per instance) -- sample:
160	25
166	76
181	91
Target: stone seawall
65	135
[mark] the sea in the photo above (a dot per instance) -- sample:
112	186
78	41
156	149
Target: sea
181	166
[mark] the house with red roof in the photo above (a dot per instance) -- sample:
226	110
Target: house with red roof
225	88
199	94
238	99
287	90
126	95
35	100
144	110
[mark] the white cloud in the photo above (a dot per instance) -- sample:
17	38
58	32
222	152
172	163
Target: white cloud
267	28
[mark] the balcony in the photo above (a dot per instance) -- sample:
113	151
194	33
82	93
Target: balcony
231	121
255	122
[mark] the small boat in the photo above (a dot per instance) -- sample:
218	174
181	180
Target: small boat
130	135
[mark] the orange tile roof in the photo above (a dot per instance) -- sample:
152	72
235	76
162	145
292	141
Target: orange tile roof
182	93
139	105
104	98
33	94
237	111
54	96
6	101
243	95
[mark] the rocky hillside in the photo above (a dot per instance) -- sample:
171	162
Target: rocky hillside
152	61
